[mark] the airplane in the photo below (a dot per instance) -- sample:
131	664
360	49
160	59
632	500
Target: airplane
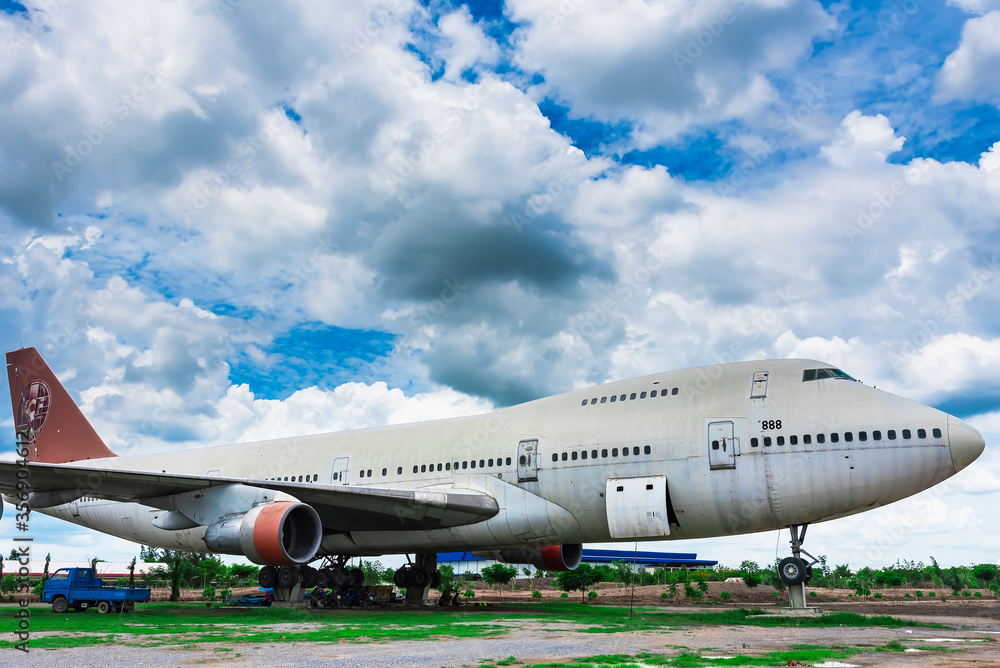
711	451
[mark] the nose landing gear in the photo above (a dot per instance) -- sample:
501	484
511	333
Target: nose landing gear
795	571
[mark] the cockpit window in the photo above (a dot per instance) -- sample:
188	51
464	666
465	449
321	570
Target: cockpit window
819	374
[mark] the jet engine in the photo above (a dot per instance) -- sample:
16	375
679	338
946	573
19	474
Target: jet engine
550	558
281	533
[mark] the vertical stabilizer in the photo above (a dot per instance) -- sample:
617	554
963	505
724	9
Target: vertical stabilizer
46	419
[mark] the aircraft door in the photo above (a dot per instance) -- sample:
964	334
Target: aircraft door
722	445
341	473
527	460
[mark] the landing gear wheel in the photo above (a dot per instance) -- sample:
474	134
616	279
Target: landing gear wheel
358	575
420	578
103	607
60	605
809	573
401	577
341	578
268	577
325	579
288	576
436	580
792	571
310	577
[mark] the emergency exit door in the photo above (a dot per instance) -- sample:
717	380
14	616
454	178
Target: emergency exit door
527	460
341	473
722	445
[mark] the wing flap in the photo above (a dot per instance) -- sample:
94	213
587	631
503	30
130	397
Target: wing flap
341	507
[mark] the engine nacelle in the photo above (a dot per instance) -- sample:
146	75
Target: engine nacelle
550	558
281	533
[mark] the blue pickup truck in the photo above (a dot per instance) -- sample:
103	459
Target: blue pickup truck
79	588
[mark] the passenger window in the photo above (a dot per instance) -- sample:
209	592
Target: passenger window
573	455
593	454
647	450
835	437
399	470
632	396
604	400
593	401
385	472
891	434
780	440
491	463
848	436
370	471
907	434
673	391
642	395
614	452
415	469
807	439
555	457
754	442
793	440
564	456
300	478
862	435
455	466
621	398
715	445
447	466
604	452
583	454
921	433
767	441
584	403
508	461
624	452
423	468
876	435
652	394
472	463
820	438
614	398
936	432
635	451
465	465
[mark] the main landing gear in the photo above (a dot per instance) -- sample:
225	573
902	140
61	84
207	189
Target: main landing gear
795	571
418	578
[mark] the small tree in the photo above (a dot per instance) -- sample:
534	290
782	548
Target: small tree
175	576
45	572
498	575
527	573
448	584
208	593
131	573
581	579
751	573
725	595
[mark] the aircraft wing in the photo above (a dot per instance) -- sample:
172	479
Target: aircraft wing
340	507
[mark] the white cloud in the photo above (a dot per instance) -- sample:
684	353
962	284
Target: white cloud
863	141
467	45
969	73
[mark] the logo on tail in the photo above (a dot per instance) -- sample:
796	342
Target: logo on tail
32	410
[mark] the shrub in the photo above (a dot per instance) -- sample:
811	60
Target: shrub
468	593
592	594
978	594
664	595
208	593
226	594
725	595
564	595
536	594
813	594
966	593
919	594
878	594
906	596
932	593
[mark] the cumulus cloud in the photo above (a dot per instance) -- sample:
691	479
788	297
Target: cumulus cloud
969	72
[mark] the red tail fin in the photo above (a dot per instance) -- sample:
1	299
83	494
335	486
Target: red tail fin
47	420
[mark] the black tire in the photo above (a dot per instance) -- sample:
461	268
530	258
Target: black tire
60	604
792	571
341	578
267	577
324	579
288	576
809	574
358	576
310	577
420	578
103	607
401	576
345	603
436	580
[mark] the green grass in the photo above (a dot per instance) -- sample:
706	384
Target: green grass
162	623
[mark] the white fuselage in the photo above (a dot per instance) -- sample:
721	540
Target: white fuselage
718	450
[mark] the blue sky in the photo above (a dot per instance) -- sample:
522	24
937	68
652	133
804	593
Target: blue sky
334	215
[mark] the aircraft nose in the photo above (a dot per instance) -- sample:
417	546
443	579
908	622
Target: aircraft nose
965	441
